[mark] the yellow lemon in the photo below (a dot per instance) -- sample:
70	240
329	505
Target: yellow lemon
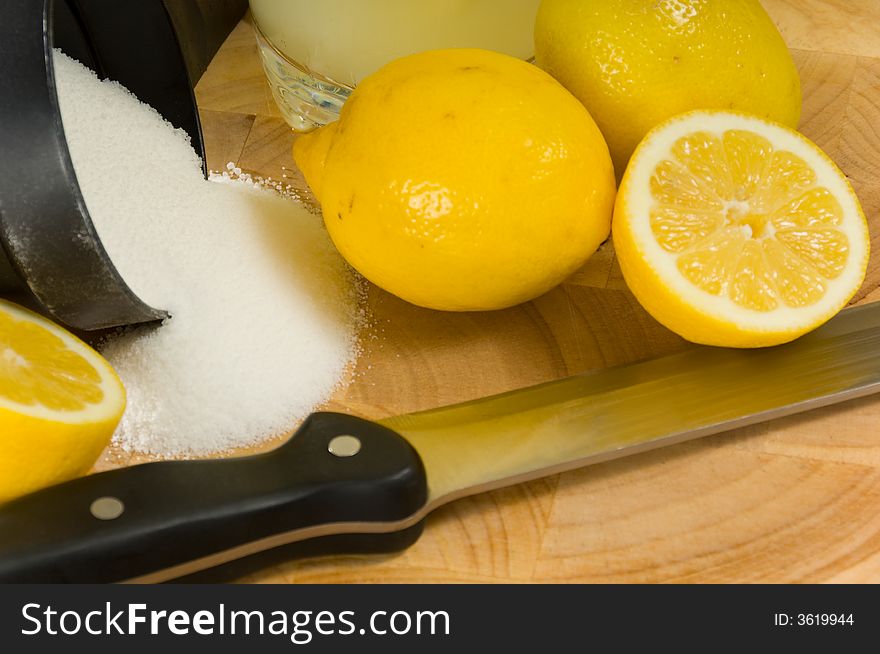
462	180
636	63
60	402
731	230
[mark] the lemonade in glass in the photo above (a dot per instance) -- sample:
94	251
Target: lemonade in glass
315	51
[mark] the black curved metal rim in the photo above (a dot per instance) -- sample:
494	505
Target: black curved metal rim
46	234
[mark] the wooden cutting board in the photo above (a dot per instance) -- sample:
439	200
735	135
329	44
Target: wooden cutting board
795	500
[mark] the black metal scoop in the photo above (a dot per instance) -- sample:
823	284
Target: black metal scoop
50	249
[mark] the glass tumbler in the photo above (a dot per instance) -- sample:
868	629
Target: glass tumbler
316	51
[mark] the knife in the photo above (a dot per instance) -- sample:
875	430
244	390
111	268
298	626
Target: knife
344	483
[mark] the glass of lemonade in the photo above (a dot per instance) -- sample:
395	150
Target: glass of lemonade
315	51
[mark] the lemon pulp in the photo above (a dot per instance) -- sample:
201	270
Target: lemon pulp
748	221
37	368
60	402
733	230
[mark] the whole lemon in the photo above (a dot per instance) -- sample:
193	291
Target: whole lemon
637	63
462	180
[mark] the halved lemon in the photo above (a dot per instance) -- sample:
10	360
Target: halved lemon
735	231
60	402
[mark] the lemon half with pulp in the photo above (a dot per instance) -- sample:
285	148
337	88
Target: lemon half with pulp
60	402
732	230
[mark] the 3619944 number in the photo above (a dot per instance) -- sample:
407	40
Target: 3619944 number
824	619
813	619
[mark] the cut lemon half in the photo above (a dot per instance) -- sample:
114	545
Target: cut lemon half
735	231
60	402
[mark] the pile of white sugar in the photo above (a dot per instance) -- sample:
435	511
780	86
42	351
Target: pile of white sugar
264	311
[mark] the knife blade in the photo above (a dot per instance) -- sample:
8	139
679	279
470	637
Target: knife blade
352	484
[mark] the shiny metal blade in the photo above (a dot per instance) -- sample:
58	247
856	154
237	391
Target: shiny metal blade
525	434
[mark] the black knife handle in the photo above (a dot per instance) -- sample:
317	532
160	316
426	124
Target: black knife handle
175	513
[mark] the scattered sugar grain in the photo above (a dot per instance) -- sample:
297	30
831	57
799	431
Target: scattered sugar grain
264	311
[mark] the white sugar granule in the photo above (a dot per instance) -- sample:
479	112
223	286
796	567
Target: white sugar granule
264	311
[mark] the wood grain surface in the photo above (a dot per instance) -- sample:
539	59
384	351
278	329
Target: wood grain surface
795	500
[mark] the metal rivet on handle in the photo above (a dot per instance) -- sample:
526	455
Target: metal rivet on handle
107	508
344	445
